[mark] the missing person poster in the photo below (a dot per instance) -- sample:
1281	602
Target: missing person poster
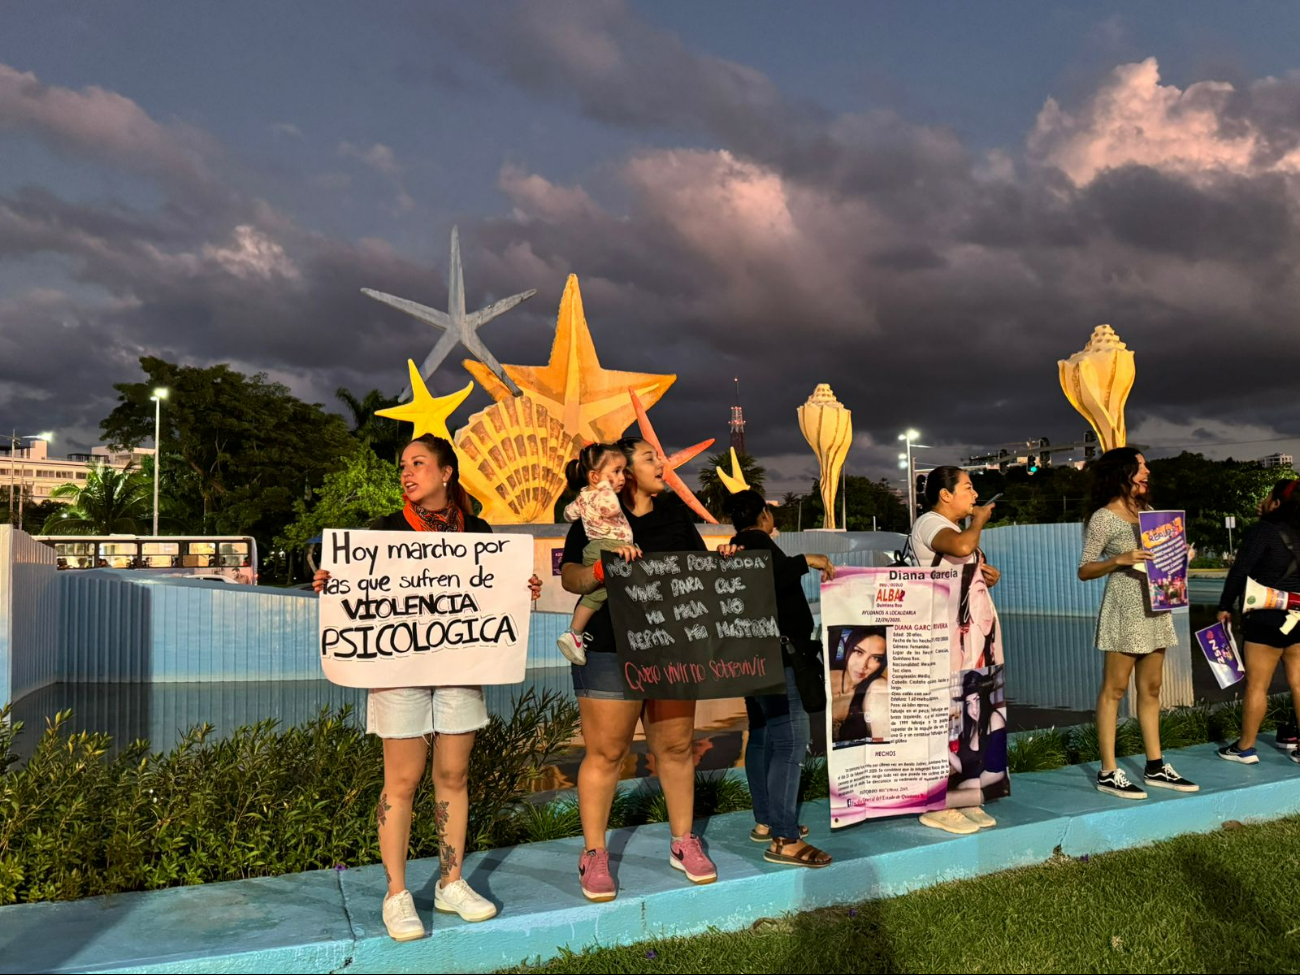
424	609
917	720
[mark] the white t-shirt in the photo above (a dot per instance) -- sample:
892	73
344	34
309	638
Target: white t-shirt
923	532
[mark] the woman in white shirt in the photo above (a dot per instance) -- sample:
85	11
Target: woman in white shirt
937	537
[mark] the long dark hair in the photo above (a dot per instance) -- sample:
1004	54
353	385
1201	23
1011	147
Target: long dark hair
744	508
629	445
445	454
1287	513
944	478
1112	476
590	458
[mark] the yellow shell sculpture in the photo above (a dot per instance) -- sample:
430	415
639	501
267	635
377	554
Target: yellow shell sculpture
828	428
512	460
1097	381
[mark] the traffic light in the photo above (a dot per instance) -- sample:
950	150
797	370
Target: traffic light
1032	464
920	489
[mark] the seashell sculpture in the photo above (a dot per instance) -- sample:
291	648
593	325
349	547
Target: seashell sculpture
1097	382
828	428
512	459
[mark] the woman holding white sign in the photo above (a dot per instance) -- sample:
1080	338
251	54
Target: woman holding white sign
778	723
937	537
1131	634
609	713
408	718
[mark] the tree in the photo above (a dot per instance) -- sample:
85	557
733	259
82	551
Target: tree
713	493
383	436
870	503
238	450
366	488
111	501
1211	490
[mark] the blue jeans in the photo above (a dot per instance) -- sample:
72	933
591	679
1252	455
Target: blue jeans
778	742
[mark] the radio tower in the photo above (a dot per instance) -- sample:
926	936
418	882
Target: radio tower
738	422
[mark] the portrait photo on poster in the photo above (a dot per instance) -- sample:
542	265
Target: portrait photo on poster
859	684
977	737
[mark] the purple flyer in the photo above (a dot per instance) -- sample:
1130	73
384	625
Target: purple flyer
1164	535
1221	653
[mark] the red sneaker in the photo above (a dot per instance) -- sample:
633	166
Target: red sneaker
594	875
687	855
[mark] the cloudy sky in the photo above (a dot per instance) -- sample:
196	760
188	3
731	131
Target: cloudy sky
925	205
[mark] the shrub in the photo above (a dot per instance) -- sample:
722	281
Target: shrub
261	802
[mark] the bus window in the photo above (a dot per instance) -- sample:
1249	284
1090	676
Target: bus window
118	555
200	555
159	555
234	554
75	555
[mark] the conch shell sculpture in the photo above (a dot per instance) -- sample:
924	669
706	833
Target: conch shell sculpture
512	459
1097	382
828	428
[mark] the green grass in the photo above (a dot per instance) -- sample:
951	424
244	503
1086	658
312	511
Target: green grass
1223	902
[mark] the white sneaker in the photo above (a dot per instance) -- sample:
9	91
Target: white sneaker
401	918
950	820
572	646
458	897
978	816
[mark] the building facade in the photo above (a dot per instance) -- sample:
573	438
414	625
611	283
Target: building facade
32	473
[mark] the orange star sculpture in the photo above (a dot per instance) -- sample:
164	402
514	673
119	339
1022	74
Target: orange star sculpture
590	400
671	463
427	412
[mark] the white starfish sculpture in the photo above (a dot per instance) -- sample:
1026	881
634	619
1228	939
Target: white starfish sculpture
457	327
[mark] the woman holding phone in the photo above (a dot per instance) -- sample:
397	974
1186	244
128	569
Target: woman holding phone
938	538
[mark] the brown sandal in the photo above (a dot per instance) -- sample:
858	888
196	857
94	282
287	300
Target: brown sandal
809	856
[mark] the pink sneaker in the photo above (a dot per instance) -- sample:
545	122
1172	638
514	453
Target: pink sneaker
687	855
593	874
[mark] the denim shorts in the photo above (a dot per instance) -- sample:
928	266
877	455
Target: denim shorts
601	679
417	712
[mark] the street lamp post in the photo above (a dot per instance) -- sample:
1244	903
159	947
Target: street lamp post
159	394
905	461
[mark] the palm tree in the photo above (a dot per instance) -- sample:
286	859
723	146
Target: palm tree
384	437
111	501
713	493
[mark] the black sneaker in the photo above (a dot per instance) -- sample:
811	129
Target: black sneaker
1167	778
1287	740
1116	783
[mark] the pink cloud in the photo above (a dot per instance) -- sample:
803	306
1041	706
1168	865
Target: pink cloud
1134	119
103	125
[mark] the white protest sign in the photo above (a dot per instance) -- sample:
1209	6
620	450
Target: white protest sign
424	609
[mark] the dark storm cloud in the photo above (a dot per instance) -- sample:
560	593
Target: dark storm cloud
931	286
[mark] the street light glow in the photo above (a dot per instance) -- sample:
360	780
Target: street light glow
913	435
160	392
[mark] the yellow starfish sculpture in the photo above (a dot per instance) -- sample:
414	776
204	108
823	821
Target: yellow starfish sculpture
735	481
428	413
590	400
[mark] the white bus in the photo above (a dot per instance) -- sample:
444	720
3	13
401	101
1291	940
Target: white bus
232	557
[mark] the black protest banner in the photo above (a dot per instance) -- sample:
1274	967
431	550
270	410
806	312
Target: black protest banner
695	625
